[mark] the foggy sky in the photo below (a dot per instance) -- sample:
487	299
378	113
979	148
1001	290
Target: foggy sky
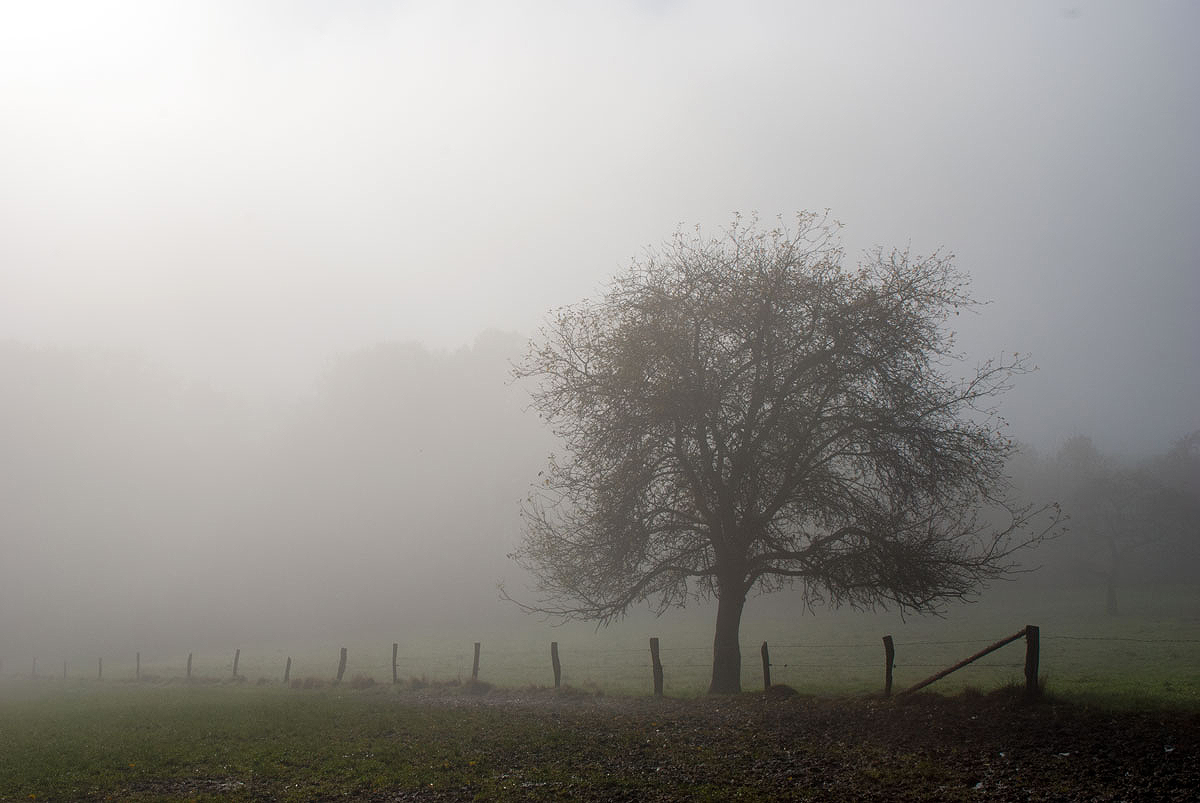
241	190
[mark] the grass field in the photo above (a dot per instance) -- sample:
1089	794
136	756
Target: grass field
222	742
141	741
1150	655
434	736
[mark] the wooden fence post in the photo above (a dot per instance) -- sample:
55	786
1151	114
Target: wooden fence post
137	672
395	649
555	664
99	669
1033	637
889	661
287	671
658	668
766	659
237	655
341	665
475	664
189	669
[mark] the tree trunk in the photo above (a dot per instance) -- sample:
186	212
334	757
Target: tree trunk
727	651
1110	597
1110	592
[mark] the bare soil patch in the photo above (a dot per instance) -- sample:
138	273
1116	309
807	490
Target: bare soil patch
971	747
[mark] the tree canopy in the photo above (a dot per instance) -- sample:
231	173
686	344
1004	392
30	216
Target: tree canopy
744	412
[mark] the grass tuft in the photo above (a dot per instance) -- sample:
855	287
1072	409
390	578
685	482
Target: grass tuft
360	682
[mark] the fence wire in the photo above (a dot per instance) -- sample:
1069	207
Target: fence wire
617	667
1124	638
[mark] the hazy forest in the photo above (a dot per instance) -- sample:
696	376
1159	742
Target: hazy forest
385	500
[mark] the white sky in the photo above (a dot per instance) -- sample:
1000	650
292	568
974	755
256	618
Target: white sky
240	189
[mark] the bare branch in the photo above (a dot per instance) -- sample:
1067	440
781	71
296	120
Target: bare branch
745	411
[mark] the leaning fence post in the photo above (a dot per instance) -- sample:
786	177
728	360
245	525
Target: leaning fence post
287	670
341	665
395	649
658	668
991	648
889	661
555	664
137	672
475	664
766	659
189	669
237	655
1033	637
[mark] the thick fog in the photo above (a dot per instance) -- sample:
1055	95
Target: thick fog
263	265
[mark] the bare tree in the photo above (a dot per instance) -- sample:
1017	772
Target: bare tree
744	413
1125	512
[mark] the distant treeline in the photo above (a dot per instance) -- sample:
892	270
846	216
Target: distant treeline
1131	521
136	504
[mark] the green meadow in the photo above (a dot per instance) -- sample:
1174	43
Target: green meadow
509	736
1150	654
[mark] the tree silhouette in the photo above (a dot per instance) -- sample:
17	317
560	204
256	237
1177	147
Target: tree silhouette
1122	512
744	413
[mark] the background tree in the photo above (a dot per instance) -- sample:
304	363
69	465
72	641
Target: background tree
743	413
1126	515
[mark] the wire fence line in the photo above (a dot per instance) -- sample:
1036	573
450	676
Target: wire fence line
614	667
875	644
1126	638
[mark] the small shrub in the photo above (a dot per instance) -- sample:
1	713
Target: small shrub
587	690
780	690
444	684
477	687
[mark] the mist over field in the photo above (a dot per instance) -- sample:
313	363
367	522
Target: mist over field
265	267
